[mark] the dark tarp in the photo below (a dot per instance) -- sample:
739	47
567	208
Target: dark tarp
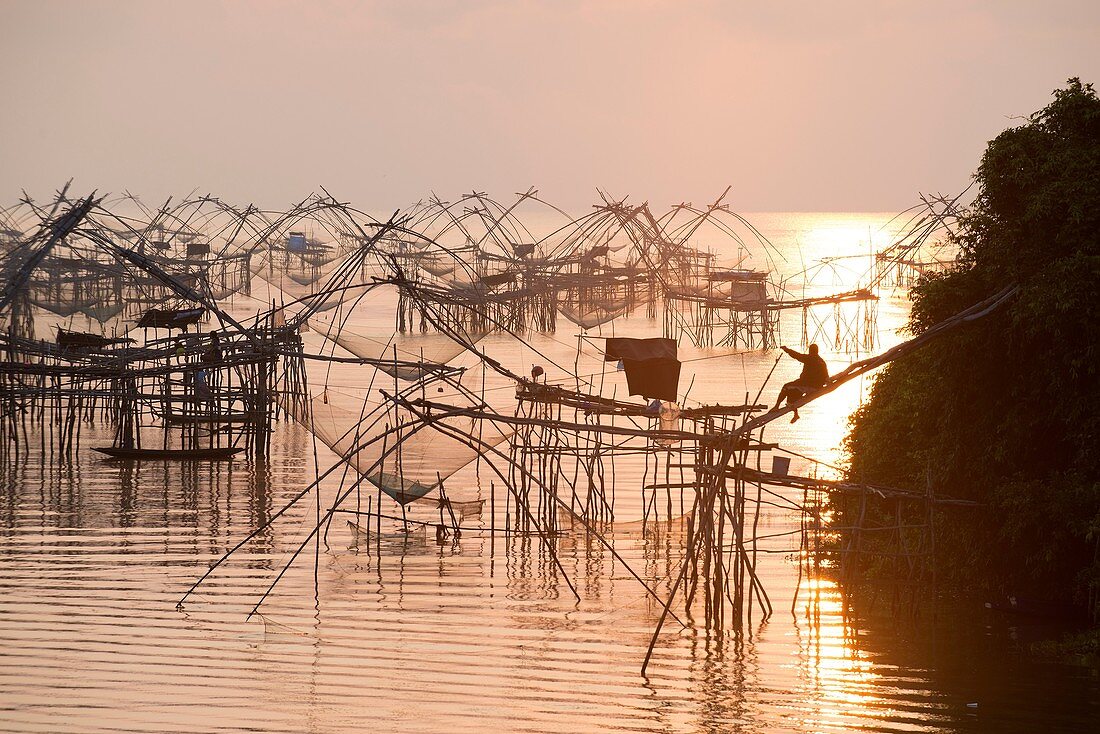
639	349
653	378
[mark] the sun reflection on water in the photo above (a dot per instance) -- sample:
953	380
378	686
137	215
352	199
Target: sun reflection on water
842	680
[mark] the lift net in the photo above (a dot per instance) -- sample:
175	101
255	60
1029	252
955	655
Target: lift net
366	330
406	452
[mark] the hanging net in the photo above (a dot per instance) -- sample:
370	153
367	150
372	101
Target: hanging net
366	330
403	454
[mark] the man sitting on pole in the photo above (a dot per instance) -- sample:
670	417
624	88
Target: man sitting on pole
815	375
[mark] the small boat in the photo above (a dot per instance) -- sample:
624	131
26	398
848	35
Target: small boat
211	454
79	340
179	318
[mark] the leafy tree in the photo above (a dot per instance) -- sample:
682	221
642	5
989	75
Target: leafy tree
1004	411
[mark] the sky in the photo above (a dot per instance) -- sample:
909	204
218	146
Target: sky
798	106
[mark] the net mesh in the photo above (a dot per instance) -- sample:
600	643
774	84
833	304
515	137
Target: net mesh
404	454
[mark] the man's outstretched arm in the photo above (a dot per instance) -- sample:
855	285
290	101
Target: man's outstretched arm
797	355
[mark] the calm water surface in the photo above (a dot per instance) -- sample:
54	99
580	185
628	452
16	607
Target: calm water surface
477	634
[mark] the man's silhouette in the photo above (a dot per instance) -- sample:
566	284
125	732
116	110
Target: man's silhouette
815	375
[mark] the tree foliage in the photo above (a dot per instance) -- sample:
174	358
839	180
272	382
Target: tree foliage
1004	411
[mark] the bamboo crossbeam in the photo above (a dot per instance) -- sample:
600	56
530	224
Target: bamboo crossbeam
854	370
797	482
656	435
772	305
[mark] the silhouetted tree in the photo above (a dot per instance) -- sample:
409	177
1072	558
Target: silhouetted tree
1004	411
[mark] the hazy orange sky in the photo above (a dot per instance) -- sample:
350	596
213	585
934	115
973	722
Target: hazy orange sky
797	105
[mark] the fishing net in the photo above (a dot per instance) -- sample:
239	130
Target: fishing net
653	528
449	269
408	356
405	453
592	317
228	274
61	308
322	287
430	353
